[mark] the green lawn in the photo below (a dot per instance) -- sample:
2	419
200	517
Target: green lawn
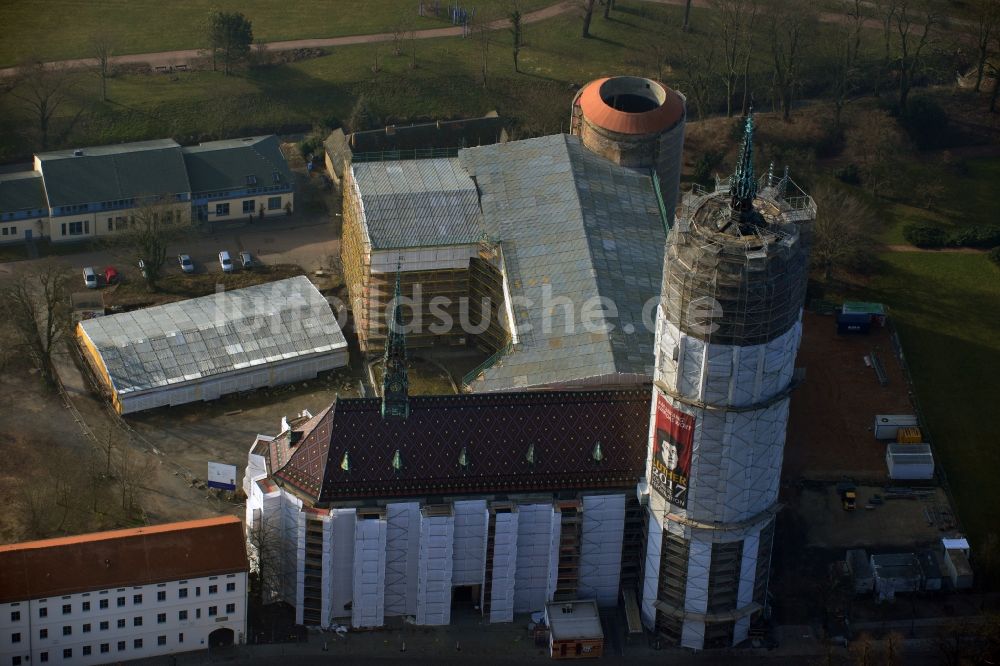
58	29
947	309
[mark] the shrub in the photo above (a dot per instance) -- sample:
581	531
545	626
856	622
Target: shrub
994	255
703	167
985	236
310	146
849	174
924	235
925	121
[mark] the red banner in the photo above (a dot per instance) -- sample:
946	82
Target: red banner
673	439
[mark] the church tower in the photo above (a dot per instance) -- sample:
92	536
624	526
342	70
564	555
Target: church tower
395	383
727	331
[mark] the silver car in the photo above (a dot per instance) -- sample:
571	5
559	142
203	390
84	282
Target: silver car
226	262
185	263
90	277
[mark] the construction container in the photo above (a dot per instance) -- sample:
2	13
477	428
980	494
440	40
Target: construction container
876	311
853	323
887	425
910	462
909	435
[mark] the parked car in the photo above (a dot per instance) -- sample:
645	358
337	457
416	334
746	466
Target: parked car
226	262
185	263
110	275
90	278
246	260
142	268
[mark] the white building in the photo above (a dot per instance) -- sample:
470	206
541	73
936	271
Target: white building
123	595
454	510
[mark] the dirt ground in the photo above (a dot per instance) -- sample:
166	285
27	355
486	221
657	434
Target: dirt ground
830	424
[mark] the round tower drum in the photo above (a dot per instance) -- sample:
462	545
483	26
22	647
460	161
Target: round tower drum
637	123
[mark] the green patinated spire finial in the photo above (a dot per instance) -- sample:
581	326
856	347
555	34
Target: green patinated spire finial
530	457
397	461
345	464
597	455
743	187
395	382
463	458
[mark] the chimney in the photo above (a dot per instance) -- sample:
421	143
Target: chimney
284	425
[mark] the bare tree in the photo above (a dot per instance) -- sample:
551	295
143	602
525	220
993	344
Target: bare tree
846	57
790	25
588	15
876	142
412	34
151	227
608	6
734	23
131	470
481	28
686	26
885	12
515	31
949	643
659	49
915	23
101	49
699	77
264	553
843	232
43	89
984	30
36	303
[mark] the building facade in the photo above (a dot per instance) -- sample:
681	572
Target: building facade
96	192
129	594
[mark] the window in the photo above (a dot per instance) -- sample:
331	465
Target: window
213	610
43	612
251	180
137	621
121	602
111	226
230	587
180	638
121	623
104	625
136	598
161	595
182	593
15	616
137	643
230	608
248	206
105	647
161	618
43	657
86	650
68	630
104	603
16	661
86	628
67	609
67	653
13	231
86	606
273	203
197	613
213	589
15	637
197	591
182	615
77	228
121	645
161	640
43	634
222	209
275	176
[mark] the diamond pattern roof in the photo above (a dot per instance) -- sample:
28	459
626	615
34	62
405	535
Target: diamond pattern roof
202	337
575	229
418	203
496	432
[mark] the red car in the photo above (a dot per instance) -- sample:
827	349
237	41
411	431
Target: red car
110	275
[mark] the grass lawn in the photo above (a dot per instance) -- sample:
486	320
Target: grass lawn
60	29
947	309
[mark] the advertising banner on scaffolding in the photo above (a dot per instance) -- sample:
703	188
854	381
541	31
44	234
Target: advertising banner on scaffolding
673	439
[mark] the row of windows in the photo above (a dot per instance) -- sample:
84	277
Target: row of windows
76	228
249	206
229	194
104	625
104	648
13	231
161	595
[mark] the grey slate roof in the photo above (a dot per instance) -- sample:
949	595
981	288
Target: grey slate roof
225	165
212	335
110	173
418	203
575	226
21	191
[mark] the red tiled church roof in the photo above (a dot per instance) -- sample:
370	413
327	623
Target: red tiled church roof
495	429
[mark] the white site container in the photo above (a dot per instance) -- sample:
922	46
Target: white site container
909	461
887	425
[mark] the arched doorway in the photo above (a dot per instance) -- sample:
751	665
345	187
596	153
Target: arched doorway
220	638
